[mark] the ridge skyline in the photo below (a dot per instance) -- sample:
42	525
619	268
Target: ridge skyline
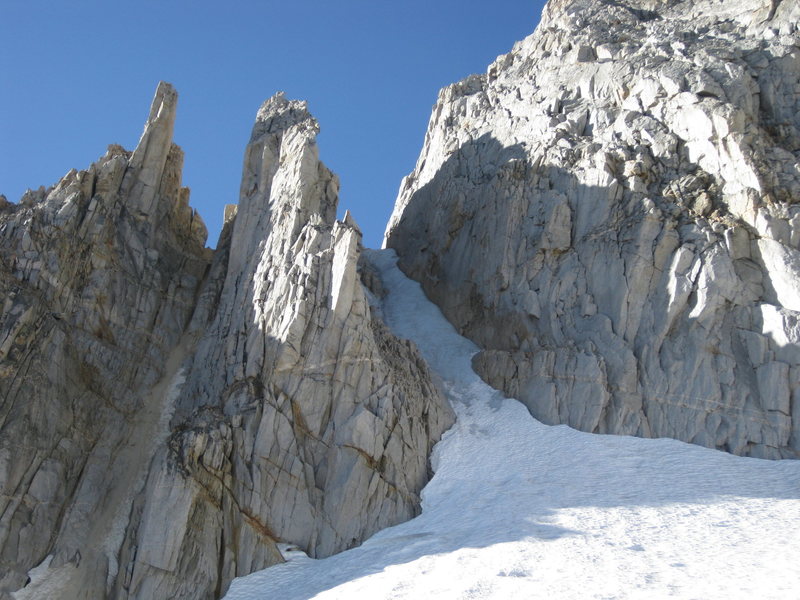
382	66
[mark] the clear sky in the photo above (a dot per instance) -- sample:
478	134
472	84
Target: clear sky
77	76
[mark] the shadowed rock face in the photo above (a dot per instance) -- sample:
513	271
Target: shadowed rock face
613	213
168	413
99	278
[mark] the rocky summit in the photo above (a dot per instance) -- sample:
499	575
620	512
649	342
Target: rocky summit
170	414
612	213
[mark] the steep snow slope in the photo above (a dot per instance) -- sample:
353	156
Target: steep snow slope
518	509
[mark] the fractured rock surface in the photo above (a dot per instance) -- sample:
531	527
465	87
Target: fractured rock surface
169	414
99	278
302	418
612	212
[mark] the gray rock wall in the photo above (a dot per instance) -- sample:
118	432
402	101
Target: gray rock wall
168	414
302	419
99	276
612	212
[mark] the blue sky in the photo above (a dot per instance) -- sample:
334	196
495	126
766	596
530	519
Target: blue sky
77	76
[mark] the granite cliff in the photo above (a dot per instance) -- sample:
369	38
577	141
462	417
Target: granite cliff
612	212
170	414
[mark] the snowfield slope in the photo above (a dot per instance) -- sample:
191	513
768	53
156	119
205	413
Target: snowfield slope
518	509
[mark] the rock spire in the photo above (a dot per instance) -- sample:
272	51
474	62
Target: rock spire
169	414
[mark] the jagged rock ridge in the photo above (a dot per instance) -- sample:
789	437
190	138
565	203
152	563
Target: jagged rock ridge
612	212
169	414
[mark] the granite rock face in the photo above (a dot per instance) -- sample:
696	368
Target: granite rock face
99	277
612	212
301	419
170	413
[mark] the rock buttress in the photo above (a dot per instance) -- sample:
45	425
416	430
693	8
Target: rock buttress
612	212
168	415
302	419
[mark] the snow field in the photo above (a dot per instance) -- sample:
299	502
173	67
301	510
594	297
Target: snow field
517	509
